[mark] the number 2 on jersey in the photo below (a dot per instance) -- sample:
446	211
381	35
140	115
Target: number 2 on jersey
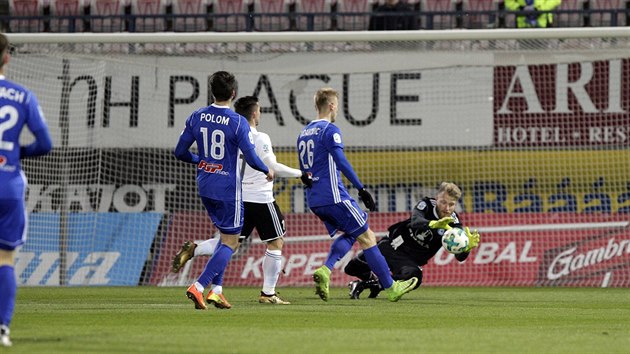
306	153
6	125
217	148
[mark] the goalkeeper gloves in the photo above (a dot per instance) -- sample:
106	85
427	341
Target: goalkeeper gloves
307	179
443	223
367	199
473	239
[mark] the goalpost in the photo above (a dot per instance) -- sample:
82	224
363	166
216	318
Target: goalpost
533	125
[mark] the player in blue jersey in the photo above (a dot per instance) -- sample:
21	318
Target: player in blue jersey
320	150
221	136
260	210
18	108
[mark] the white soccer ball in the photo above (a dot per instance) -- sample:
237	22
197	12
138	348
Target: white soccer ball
455	240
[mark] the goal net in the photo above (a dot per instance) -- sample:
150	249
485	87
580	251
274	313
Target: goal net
534	126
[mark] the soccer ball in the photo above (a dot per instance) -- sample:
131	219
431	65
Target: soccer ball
455	240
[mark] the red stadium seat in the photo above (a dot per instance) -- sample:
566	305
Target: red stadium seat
61	8
141	8
230	15
442	21
19	8
569	19
271	15
608	19
111	12
196	23
353	22
478	17
320	22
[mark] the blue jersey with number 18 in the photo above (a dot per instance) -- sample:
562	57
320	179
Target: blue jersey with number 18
18	107
220	134
315	143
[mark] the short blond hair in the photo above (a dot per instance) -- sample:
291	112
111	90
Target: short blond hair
323	97
451	189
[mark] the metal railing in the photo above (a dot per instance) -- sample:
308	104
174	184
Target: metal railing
295	21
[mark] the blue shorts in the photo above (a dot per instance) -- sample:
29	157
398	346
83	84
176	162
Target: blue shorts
12	224
346	217
227	216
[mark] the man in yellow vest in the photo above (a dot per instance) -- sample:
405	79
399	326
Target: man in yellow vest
538	17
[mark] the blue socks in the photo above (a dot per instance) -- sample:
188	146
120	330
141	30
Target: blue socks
340	246
378	265
216	265
373	256
8	289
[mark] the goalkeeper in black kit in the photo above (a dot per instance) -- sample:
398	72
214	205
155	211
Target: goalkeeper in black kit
412	242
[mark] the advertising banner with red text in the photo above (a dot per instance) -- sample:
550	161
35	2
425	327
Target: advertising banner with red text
563	104
543	250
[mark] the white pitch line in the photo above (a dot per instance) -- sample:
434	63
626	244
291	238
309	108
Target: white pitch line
606	280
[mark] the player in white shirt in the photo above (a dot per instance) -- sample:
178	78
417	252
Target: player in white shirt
261	210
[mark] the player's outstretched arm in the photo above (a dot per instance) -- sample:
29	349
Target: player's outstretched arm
346	168
280	170
443	223
264	150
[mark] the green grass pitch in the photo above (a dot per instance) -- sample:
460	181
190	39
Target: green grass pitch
428	320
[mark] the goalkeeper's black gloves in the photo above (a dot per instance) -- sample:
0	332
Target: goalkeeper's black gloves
307	179
367	199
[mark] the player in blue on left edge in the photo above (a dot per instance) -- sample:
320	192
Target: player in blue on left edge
18	108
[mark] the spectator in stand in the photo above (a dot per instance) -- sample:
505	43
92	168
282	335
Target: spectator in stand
393	15
538	16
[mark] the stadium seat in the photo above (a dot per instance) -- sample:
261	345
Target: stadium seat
141	9
198	19
317	11
479	13
110	15
230	15
19	8
347	20
570	19
607	18
62	13
271	15
439	21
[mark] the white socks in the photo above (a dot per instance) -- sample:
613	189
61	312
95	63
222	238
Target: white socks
207	247
272	265
218	289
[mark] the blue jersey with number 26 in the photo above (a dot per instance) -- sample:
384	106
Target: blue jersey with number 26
18	107
315	143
